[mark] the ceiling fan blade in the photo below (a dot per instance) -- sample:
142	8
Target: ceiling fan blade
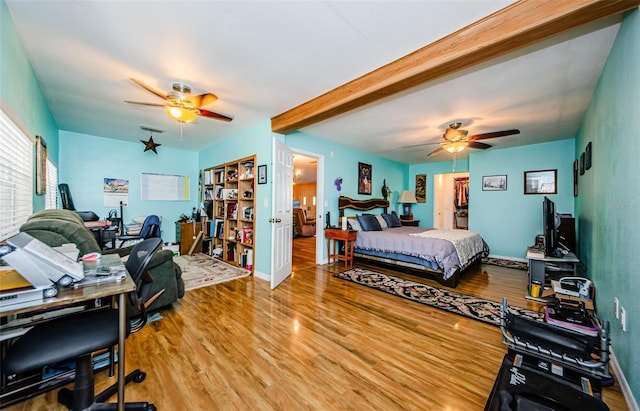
217	116
145	104
436	151
203	99
478	145
149	88
422	144
494	134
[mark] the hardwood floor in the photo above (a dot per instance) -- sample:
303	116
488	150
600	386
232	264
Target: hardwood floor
319	343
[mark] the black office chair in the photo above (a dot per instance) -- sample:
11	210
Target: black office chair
150	229
77	336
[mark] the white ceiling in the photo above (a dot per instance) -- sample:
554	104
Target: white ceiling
262	58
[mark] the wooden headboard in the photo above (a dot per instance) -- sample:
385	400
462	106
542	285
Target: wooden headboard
362	205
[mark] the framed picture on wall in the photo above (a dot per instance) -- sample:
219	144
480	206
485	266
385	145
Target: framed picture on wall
262	174
421	188
41	166
364	178
540	182
494	183
587	157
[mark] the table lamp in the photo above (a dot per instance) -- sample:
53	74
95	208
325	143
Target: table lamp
407	198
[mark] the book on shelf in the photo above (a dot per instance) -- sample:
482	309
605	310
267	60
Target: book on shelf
247	235
232	210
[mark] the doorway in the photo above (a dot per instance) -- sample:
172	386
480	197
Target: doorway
307	242
448	199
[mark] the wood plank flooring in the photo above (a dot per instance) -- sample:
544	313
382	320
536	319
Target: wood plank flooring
319	343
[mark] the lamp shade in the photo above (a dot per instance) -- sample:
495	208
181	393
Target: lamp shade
407	196
181	113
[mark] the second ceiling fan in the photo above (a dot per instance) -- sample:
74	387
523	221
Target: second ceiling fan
180	105
455	140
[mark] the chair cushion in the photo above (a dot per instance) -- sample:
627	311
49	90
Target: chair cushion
63	339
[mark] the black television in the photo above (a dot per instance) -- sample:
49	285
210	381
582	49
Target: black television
550	223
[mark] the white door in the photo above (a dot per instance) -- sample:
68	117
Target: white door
438	202
282	230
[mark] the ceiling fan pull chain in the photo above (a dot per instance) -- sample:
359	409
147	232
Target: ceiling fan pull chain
454	161
181	128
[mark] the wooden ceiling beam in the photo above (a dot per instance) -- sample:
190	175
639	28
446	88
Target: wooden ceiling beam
514	27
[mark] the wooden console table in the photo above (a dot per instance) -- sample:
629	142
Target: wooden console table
335	235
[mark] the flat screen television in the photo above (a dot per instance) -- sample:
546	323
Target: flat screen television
551	222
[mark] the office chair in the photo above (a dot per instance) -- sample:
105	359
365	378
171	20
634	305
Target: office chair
77	336
150	229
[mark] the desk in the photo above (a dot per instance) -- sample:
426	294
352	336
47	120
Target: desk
103	231
541	267
87	293
335	235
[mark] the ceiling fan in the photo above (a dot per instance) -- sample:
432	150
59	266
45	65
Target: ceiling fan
180	105
456	139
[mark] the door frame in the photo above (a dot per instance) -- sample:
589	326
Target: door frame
319	201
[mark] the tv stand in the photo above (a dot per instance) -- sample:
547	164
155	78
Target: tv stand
542	269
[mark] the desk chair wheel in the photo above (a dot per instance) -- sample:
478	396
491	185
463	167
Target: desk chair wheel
140	377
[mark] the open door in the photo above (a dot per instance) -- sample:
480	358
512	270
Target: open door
282	230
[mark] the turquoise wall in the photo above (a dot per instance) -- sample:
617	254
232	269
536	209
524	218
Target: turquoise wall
21	93
609	195
424	211
256	140
85	161
509	220
342	161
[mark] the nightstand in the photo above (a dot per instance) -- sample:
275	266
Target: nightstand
335	235
410	223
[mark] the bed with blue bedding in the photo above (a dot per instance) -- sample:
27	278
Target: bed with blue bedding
443	253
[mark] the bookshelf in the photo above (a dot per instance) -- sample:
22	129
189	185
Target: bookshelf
229	201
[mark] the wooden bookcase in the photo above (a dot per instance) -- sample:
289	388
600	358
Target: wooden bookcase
229	200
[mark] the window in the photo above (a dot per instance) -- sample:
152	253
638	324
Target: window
16	176
51	199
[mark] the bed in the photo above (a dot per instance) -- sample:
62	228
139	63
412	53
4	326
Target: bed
445	254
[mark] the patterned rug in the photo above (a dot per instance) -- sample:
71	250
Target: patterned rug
201	270
519	265
465	305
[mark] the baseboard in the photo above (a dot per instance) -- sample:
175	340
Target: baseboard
261	276
624	385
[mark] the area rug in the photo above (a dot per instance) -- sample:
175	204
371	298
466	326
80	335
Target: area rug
461	304
500	262
201	270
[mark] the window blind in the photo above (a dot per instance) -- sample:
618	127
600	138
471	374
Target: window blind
16	176
51	198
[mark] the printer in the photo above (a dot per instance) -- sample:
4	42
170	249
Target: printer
574	286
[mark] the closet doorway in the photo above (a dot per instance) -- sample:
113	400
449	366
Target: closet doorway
451	200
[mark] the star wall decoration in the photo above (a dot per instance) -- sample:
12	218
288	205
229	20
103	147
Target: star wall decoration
150	145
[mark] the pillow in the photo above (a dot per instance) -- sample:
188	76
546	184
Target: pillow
353	223
392	220
381	221
369	222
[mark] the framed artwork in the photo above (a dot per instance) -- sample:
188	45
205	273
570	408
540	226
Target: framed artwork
262	174
582	159
540	182
494	183
364	178
587	156
421	188
575	178
41	166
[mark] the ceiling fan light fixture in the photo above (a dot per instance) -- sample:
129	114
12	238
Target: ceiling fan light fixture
456	147
181	114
